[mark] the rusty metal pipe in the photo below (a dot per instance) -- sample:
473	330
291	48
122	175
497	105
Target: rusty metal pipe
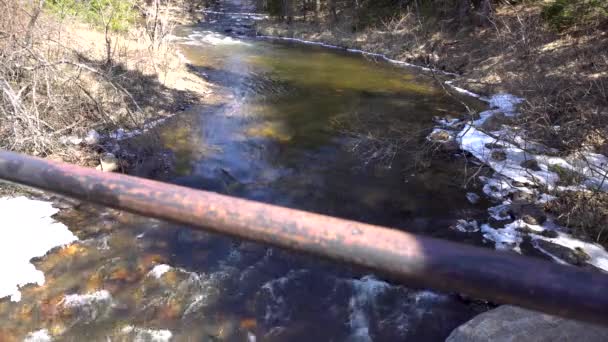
413	260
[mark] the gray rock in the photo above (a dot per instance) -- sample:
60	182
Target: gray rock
531	164
510	323
549	233
529	212
575	256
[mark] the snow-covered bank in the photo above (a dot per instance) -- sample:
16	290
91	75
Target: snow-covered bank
28	231
526	176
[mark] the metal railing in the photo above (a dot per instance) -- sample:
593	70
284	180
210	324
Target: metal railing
415	261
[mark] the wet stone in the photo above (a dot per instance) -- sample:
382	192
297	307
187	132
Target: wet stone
572	256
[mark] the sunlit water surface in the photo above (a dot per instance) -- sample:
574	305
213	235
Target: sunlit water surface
303	127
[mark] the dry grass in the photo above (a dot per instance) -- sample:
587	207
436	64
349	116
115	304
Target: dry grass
60	78
585	212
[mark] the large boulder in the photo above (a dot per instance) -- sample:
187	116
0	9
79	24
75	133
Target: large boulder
510	323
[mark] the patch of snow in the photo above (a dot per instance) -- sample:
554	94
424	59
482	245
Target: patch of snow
475	141
506	238
506	103
465	226
158	271
472	197
462	90
28	231
93	137
70	140
147	335
38	336
500	212
593	166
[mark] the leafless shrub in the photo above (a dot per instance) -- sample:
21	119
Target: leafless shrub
49	90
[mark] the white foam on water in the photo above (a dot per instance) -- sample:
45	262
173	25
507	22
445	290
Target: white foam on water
159	270
213	38
90	306
38	336
147	335
28	231
365	292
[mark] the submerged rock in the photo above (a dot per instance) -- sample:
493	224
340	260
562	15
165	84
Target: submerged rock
510	323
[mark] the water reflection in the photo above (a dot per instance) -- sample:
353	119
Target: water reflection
278	138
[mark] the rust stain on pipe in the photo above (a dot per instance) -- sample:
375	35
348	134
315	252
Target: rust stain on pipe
413	260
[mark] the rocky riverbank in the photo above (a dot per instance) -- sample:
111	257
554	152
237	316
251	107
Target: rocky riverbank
531	177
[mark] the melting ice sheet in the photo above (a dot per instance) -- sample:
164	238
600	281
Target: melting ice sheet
27	231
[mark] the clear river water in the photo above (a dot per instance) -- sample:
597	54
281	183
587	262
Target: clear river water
300	126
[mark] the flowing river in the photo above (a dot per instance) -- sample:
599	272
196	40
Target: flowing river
300	126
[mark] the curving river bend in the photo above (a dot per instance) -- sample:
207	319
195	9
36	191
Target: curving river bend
301	126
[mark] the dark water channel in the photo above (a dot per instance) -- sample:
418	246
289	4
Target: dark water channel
304	127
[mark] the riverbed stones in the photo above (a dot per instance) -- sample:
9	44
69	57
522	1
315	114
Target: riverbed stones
510	323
